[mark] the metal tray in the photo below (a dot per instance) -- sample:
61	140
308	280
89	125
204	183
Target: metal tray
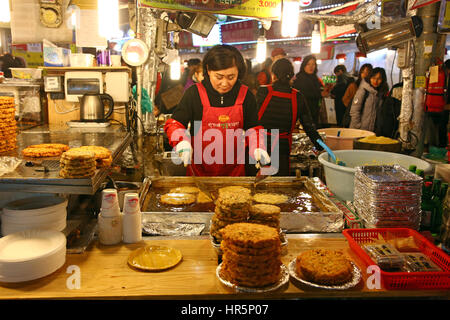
327	218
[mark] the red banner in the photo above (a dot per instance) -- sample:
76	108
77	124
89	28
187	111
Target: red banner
239	31
185	39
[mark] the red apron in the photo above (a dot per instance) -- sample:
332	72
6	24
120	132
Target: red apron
293	97
215	122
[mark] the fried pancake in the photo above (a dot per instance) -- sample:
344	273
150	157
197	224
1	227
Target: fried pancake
203	198
234	189
250	281
232	216
270	198
264	211
250	251
175	199
234	200
185	189
329	267
251	235
78	154
250	259
59	146
100	152
272	224
222	223
102	163
41	152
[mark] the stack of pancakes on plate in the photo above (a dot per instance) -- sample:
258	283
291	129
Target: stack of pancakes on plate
77	163
232	206
103	157
45	150
8	124
251	255
266	214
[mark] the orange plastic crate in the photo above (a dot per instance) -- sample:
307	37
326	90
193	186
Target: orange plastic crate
403	280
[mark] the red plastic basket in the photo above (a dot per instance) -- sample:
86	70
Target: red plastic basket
403	280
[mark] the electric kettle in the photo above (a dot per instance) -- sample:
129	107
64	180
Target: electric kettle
92	108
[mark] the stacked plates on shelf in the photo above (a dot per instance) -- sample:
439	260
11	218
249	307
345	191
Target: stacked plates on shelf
43	212
31	254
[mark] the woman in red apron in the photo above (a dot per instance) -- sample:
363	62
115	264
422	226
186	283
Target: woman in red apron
280	106
223	119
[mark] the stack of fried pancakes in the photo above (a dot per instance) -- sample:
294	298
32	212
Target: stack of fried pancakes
266	214
232	206
103	157
8	125
251	254
77	163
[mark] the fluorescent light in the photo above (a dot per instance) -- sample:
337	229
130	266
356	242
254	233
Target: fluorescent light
289	19
261	49
318	61
5	15
315	39
108	18
175	69
341	61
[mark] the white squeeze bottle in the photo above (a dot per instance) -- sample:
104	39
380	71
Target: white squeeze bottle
110	218
132	218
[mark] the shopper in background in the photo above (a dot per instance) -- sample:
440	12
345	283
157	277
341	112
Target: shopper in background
189	71
250	78
278	53
368	99
347	99
280	106
338	91
196	77
311	86
8	61
264	77
219	105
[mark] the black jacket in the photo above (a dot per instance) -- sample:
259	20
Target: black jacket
278	115
310	86
190	107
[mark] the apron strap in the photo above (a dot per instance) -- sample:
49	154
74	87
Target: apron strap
294	109
203	95
241	95
266	102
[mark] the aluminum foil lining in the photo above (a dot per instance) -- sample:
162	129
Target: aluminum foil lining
302	147
284	279
9	164
172	228
352	283
388	196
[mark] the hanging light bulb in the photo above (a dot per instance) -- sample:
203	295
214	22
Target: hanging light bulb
5	15
289	18
261	47
108	18
315	39
341	58
175	68
318	61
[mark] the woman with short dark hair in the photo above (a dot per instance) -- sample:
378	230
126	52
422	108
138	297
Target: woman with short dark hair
280	106
309	84
217	106
368	99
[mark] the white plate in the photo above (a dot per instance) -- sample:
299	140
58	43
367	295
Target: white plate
10	228
43	218
30	244
35	206
350	284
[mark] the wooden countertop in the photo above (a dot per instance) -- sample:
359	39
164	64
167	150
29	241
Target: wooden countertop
106	275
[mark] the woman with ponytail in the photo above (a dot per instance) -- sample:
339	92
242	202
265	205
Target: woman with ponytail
279	107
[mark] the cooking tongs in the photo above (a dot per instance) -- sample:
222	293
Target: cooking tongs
200	184
259	176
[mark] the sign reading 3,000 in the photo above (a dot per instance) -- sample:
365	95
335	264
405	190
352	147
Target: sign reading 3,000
267	9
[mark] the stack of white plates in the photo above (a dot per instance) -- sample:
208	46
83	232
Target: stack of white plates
44	212
31	254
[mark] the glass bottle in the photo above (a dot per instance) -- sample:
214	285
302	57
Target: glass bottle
412	168
439	203
427	207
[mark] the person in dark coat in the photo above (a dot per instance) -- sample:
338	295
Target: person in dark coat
279	107
310	85
338	91
8	61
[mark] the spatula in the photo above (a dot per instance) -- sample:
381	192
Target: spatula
330	153
200	184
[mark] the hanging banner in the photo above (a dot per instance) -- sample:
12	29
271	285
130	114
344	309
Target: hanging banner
329	32
242	31
422	3
266	9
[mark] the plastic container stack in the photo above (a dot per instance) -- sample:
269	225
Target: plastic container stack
388	197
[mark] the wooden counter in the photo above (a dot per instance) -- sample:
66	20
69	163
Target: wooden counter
106	275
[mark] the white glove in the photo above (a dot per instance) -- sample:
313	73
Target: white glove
261	156
184	151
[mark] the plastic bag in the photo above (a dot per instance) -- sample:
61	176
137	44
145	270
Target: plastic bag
8	164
